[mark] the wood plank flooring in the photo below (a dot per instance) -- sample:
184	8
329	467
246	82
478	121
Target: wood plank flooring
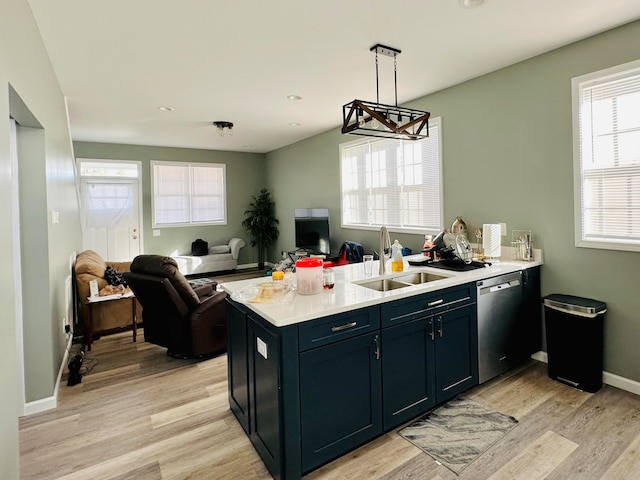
139	414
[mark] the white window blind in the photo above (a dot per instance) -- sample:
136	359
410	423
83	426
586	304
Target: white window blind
607	111
395	183
188	194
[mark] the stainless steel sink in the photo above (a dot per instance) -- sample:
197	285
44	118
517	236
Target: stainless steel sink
418	277
384	284
400	281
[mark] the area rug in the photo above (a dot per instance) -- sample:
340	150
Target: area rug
458	432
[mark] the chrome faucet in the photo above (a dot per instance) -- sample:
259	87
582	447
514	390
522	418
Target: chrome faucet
385	244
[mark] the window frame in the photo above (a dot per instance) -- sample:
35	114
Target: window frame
434	123
577	85
189	166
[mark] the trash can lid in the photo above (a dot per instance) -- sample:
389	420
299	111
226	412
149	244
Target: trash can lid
573	303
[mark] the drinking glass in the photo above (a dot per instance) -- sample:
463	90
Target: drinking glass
367	260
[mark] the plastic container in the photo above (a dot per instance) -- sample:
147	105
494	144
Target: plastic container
397	264
309	276
328	278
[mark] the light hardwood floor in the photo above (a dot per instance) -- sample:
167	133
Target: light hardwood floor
145	416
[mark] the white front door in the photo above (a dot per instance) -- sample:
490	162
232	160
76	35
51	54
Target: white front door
111	217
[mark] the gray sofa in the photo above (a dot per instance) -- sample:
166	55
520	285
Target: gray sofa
223	255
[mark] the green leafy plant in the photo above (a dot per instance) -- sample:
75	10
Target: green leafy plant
261	224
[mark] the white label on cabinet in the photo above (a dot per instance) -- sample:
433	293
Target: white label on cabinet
261	347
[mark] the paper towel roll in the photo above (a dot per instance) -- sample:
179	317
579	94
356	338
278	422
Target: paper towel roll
491	234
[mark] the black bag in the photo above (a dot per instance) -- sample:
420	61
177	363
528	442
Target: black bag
199	247
113	277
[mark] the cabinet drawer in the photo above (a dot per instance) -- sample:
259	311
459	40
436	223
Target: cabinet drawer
325	330
409	309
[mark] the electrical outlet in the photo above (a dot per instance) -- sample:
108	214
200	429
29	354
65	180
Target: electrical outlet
156	233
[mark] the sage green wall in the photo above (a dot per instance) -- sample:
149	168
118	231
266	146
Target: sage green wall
245	176
507	153
26	75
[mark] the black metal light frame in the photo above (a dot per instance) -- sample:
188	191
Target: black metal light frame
373	119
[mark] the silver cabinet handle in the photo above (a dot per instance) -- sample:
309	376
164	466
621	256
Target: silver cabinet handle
375	339
435	302
343	327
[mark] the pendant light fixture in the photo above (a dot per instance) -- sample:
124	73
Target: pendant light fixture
221	125
361	117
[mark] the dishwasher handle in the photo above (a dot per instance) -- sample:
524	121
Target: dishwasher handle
499	287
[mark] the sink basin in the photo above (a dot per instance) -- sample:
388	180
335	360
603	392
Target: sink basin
400	281
384	284
418	277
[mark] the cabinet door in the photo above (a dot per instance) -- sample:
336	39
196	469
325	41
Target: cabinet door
529	332
264	394
456	352
237	367
408	371
340	398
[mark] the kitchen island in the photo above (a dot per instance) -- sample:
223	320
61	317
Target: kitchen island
314	378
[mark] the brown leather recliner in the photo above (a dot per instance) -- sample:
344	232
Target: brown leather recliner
188	322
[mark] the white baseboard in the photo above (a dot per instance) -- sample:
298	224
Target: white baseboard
41	405
50	403
608	378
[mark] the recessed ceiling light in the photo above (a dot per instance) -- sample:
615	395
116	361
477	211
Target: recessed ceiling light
166	109
470	3
294	124
294	97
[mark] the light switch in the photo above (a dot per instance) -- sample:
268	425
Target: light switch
156	233
55	217
503	229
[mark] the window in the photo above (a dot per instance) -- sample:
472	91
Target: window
186	194
397	183
606	106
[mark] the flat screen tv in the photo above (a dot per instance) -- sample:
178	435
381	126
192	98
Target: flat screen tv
312	234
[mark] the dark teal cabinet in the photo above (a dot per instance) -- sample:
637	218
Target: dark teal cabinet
237	364
429	352
529	334
264	394
408	370
340	398
310	392
456	351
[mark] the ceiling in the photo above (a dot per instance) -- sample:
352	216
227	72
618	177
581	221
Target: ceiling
117	61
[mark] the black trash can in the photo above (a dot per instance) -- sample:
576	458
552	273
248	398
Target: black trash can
574	328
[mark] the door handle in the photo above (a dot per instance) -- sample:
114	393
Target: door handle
432	333
377	342
440	326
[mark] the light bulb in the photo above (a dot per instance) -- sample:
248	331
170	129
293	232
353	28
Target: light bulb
231	131
361	121
374	124
221	131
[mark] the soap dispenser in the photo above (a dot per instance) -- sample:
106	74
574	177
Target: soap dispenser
397	263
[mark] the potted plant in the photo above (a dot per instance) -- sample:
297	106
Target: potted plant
261	224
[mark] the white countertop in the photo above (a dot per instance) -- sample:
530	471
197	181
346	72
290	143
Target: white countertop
346	295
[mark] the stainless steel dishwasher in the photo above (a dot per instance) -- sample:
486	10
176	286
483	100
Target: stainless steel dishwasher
499	301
